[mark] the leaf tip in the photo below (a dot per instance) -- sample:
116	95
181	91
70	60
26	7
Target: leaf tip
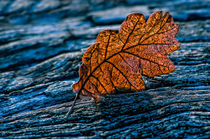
137	16
171	67
103	36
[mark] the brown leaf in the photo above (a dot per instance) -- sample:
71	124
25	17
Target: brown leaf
118	59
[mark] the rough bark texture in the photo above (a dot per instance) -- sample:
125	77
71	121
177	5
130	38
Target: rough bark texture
41	44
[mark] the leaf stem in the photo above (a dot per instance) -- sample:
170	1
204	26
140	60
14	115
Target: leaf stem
71	108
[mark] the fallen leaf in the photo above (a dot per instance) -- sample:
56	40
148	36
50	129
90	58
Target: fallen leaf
118	59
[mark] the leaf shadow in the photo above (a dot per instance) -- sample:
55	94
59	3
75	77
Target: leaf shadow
125	104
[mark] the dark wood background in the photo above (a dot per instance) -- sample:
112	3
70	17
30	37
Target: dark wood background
41	45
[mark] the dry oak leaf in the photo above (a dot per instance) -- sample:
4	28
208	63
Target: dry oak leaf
118	59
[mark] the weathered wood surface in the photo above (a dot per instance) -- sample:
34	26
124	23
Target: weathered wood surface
41	44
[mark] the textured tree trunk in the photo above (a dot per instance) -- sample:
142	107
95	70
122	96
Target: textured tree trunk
41	45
